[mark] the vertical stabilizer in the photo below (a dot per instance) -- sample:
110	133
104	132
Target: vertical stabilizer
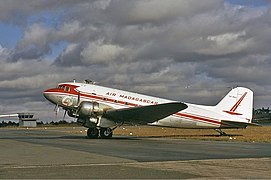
237	103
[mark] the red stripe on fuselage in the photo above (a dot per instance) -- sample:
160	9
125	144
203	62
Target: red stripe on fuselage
196	117
123	103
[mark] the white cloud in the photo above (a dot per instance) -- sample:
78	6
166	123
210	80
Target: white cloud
4	52
225	44
98	52
37	34
158	11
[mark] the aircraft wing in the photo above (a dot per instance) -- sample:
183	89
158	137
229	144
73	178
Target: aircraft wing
9	115
235	124
144	114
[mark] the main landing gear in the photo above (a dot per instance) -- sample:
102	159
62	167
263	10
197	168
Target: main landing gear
93	133
106	133
103	133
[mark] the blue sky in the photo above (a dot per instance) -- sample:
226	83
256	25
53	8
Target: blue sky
10	35
249	2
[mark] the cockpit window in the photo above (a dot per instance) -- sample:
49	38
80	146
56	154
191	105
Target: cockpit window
61	87
65	88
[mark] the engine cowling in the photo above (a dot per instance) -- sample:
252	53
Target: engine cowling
89	109
89	114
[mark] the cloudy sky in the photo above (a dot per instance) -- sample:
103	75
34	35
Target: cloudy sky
188	50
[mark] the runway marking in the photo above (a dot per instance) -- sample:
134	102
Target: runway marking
125	163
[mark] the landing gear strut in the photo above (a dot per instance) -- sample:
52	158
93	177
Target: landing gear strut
221	133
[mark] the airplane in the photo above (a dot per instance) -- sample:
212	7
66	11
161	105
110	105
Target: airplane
103	109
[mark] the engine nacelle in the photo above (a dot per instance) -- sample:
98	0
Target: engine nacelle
89	114
89	109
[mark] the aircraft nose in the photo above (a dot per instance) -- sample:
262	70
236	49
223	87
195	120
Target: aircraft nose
49	96
46	95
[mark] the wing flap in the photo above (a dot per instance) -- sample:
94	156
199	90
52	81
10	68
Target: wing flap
144	114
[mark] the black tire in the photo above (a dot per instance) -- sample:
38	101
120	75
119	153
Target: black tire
92	133
106	133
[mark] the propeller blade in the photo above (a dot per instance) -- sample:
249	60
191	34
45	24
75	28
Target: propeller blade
76	113
56	109
78	98
65	112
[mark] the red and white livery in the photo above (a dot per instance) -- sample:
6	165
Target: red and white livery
102	109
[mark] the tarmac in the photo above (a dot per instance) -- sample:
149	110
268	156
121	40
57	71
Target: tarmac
59	153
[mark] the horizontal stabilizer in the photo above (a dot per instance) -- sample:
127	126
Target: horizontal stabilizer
235	124
144	114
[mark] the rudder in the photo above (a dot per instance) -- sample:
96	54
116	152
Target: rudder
238	102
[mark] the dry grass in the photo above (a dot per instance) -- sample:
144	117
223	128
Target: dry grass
250	134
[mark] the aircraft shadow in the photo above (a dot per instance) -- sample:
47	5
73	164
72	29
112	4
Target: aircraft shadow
114	137
118	137
67	137
187	136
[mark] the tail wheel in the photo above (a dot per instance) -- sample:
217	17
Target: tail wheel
106	133
92	133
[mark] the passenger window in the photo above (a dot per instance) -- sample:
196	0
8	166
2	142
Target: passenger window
67	88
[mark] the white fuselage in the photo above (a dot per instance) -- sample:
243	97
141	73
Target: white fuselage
195	116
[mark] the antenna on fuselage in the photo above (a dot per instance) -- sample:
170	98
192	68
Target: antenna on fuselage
88	81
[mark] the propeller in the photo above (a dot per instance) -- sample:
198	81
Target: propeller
77	104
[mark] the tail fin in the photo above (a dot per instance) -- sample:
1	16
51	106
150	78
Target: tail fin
238	102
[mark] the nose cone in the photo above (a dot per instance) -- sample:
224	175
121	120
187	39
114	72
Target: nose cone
49	96
46	95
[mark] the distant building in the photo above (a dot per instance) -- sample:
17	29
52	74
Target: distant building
27	120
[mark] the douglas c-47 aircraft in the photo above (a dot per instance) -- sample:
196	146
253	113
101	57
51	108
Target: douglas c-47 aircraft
102	109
